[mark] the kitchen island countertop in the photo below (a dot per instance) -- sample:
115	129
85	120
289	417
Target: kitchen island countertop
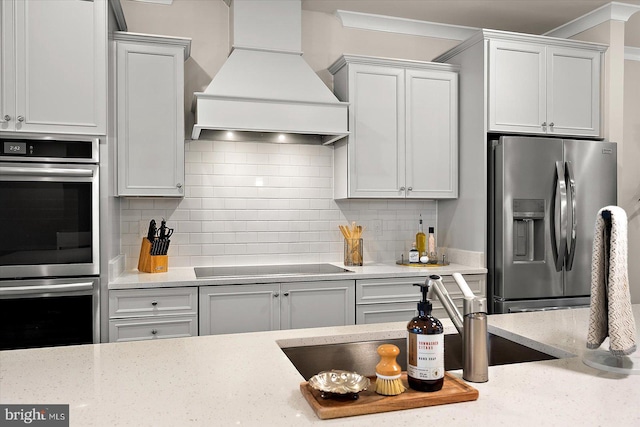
245	379
185	276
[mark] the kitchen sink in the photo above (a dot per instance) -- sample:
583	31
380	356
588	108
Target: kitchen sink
362	357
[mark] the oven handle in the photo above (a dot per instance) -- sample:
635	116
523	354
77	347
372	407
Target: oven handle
45	171
38	289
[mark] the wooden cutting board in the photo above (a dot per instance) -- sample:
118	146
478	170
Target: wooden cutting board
454	390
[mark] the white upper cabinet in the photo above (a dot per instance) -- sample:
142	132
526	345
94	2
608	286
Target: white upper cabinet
538	88
403	123
150	100
53	66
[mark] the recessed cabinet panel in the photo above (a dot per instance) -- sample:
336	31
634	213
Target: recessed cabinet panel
57	58
403	119
7	68
122	330
517	87
432	134
239	308
316	304
573	91
150	99
378	110
395	299
272	306
547	89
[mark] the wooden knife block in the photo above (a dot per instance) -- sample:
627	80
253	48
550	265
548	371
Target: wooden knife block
148	263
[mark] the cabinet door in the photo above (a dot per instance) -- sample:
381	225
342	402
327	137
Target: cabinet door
316	304
431	134
239	308
150	81
7	69
573	91
61	66
376	151
517	88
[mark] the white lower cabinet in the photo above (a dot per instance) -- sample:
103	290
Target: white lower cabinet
145	314
395	299
264	307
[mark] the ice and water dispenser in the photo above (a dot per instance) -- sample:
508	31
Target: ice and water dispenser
528	229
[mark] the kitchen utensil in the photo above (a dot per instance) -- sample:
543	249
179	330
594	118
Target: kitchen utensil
151	234
337	382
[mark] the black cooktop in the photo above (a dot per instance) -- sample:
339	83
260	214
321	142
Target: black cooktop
268	270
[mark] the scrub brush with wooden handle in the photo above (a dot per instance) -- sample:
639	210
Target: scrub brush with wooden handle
388	371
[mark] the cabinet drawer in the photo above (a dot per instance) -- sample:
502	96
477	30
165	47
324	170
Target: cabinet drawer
402	289
398	312
150	329
153	302
383	313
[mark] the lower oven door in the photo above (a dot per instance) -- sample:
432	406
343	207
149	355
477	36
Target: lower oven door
49	312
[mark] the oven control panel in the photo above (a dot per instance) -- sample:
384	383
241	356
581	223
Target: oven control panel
47	149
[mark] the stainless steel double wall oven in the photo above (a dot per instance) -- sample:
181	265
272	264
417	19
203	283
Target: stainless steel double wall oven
49	241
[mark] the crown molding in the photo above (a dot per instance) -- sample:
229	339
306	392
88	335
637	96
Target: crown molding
632	53
413	27
613	11
183	42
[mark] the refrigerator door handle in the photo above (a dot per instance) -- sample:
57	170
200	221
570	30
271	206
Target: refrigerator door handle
574	221
560	192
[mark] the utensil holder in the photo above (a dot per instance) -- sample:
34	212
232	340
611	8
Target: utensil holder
353	252
148	263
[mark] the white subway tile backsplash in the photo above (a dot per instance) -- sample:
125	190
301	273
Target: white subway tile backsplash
256	203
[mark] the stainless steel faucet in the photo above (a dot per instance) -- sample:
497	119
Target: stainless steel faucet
472	327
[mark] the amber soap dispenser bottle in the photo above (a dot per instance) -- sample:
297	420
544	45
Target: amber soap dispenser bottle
425	348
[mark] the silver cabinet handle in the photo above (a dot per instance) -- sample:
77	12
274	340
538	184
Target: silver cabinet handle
179	185
154	331
544	124
20	118
7	118
276	294
154	303
401	188
551	124
286	294
410	188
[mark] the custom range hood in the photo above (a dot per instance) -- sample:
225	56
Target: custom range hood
265	91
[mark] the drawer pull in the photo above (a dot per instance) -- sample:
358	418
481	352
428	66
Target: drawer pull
154	331
154	303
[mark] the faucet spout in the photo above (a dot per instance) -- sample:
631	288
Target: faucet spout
472	327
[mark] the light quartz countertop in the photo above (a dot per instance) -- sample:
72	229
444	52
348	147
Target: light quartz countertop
185	276
245	379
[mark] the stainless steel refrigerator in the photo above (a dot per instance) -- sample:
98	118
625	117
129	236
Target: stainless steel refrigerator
544	195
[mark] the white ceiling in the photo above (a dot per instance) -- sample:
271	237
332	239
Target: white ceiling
526	16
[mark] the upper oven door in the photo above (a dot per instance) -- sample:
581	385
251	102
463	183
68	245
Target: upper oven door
48	220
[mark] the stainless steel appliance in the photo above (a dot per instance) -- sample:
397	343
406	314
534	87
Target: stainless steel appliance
544	195
49	312
49	250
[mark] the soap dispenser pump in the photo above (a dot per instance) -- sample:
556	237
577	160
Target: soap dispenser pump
425	348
